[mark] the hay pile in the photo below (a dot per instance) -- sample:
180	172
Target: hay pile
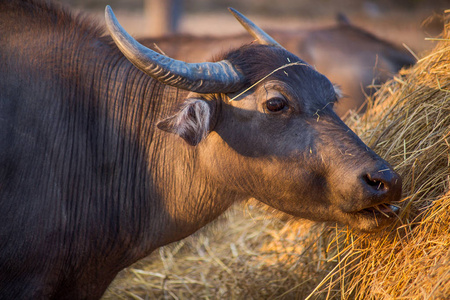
408	123
247	257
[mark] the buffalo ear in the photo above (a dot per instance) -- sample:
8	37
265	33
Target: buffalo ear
191	121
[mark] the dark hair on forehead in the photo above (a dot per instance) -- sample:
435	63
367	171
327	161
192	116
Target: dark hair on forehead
256	61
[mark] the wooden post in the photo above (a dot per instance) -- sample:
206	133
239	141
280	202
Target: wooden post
162	16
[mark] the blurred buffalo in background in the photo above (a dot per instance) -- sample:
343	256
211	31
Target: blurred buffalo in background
351	57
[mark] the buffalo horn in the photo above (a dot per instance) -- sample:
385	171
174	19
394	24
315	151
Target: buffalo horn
255	31
208	77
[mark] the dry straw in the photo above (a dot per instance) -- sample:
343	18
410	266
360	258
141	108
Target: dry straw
247	257
252	257
408	123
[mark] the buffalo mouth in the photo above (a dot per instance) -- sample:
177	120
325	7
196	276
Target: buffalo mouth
374	218
383	211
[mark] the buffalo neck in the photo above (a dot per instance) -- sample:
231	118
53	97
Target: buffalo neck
152	183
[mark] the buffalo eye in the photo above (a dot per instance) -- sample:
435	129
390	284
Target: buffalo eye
276	104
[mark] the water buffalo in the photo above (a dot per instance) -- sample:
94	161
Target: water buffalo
109	150
349	56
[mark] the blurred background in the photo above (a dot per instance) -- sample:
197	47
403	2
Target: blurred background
400	21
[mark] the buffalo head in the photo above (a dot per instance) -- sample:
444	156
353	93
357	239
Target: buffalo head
261	123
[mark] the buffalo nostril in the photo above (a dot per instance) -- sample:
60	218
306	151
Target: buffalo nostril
375	183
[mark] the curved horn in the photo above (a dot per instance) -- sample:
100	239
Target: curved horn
218	77
255	31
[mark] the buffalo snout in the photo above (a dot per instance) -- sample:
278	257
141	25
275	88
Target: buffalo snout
378	189
364	188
